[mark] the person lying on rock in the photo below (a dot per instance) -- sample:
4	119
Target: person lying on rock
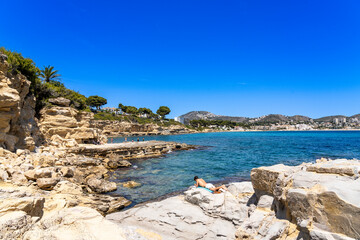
201	183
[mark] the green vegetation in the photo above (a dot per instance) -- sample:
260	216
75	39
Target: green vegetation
130	109
162	111
42	91
51	87
57	89
216	123
134	119
96	101
146	111
49	74
25	66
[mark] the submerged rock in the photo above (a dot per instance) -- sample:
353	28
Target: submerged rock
131	184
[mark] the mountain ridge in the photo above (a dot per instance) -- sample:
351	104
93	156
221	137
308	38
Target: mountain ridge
270	118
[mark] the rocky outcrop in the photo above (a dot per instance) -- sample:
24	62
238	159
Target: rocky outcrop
122	128
28	214
68	123
62	179
18	126
311	201
129	150
197	214
78	223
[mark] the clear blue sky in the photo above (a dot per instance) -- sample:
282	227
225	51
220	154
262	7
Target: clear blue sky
235	57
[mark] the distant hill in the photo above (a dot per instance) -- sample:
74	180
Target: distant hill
300	118
267	119
197	115
278	118
329	118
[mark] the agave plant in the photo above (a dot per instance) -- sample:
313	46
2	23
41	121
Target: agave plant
49	74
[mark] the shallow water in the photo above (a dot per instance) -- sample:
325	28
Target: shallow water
229	157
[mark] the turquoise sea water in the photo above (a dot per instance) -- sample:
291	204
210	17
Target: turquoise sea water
229	157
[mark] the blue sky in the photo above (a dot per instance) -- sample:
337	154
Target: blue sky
235	57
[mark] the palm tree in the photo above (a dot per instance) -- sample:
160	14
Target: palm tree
48	73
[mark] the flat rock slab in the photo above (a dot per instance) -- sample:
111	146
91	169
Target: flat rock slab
172	218
129	150
126	145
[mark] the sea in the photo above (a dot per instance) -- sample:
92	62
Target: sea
225	157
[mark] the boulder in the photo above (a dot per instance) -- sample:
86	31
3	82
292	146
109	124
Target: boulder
124	163
110	163
66	187
60	101
18	178
101	185
231	205
320	198
14	224
68	194
43	173
30	175
264	225
46	183
15	198
67	172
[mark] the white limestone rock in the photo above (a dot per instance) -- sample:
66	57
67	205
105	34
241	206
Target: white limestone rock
78	223
323	198
172	218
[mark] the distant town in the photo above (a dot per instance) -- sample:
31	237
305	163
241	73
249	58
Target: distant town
268	122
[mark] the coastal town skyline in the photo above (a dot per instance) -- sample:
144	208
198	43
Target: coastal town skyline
236	59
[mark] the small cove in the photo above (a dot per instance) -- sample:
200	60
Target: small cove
228	157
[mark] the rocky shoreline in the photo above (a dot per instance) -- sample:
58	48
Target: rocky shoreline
310	201
39	185
53	180
54	194
130	150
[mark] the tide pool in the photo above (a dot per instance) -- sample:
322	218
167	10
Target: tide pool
228	157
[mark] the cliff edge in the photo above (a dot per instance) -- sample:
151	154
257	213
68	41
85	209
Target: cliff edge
18	125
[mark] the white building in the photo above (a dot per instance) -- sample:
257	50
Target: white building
179	119
112	110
